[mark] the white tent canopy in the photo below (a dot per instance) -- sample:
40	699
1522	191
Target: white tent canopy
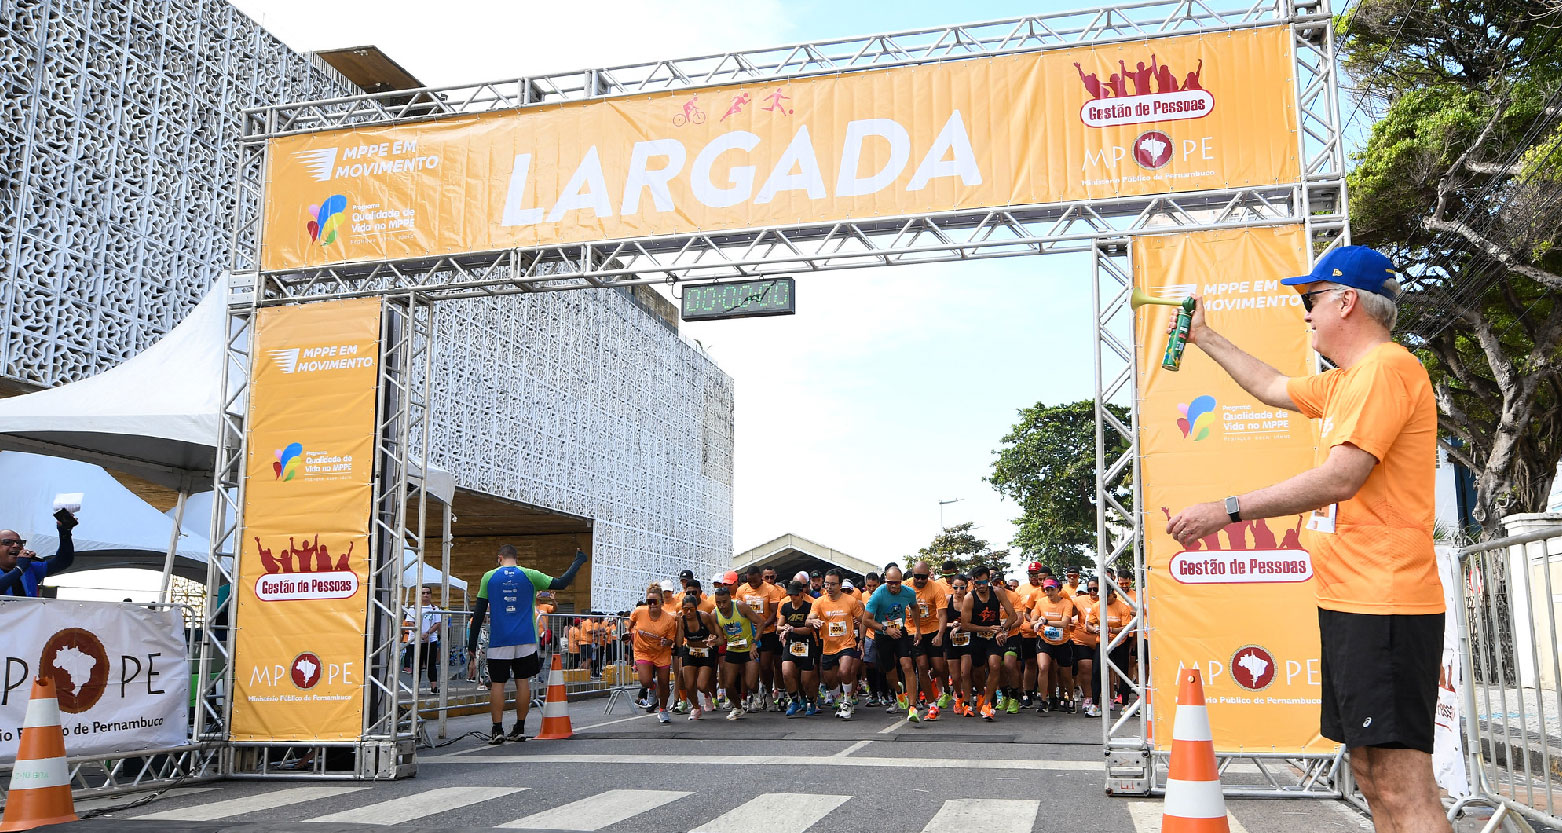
117	529
432	577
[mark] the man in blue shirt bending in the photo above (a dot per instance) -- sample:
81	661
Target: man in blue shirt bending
887	619
508	595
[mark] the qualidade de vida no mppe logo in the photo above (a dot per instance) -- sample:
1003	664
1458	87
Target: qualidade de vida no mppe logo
325	219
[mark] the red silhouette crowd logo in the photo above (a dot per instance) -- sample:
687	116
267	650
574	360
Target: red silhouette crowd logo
1237	536
1150	92
310	557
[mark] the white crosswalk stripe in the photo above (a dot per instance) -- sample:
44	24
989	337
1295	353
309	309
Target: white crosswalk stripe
418	805
960	815
598	811
774	813
1146	817
228	808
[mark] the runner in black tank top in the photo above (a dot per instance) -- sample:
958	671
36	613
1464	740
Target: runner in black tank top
986	614
957	647
697	637
799	652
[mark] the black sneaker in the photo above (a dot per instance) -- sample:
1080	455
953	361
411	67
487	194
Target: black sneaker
518	734
496	737
1025	702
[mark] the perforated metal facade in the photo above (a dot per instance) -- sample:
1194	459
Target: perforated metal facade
119	123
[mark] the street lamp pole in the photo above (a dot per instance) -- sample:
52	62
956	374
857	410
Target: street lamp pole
941	505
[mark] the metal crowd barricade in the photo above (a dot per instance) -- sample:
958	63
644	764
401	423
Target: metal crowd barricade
1508	624
594	653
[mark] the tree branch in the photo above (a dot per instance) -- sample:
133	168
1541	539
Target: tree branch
1495	250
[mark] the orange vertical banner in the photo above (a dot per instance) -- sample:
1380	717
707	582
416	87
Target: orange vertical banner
1240	604
300	588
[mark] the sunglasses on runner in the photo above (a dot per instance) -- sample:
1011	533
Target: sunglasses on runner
959	587
1307	297
919	576
651	601
981	583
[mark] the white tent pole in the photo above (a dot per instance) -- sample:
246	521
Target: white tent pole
444	621
173	544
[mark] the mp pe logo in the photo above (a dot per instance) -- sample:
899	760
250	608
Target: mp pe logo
80	667
1198	417
1253	667
305	671
1153	149
325	219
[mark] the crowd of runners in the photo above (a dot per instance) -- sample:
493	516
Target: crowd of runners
912	643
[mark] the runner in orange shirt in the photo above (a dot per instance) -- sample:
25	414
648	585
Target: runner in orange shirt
654	633
1026	595
838	619
1113	615
1087	643
927	621
1052	616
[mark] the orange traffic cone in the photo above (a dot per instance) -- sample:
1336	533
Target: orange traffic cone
1194	802
555	709
41	783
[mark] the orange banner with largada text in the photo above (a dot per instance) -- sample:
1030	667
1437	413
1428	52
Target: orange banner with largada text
300	587
1239	605
1161	115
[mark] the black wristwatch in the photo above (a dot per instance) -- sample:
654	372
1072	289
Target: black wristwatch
1233	510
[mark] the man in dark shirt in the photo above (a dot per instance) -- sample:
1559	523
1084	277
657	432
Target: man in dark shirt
21	571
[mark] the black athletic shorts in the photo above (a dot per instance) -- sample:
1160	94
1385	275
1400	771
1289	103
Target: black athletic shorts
807	661
953	652
1084	653
1380	678
1062	655
924	647
891	650
981	648
737	657
1023	647
692	661
770	643
521	668
830	662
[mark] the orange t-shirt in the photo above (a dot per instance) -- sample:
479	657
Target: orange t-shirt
1055	614
1118	615
840	618
1025	597
1373	553
930	600
1087	612
646	630
574	636
763	601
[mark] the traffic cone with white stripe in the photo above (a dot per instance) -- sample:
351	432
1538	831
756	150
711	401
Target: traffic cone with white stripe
1194	802
40	791
555	709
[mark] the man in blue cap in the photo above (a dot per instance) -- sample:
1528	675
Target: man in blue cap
1380	602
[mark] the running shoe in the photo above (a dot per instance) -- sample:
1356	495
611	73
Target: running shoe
662	717
1013	706
648	705
912	716
987	713
900	702
1025	701
794	709
1092	710
775	705
694	713
496	737
932	712
892	708
737	712
812	710
682	707
517	735
723	703
998	701
944	700
845	711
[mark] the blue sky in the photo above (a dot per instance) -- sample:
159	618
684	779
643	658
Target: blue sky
891	387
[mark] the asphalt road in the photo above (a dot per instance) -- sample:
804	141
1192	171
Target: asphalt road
763	774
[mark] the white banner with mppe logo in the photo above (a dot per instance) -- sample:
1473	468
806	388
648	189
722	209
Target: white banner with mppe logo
119	670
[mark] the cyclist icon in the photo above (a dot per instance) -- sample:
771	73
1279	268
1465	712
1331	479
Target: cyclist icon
692	114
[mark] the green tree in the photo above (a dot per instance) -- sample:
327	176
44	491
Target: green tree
1047	465
958	547
1461	181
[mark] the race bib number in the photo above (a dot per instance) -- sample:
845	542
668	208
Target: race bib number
757	603
696	651
1322	520
1052	632
798	649
960	639
922	608
837	629
740	644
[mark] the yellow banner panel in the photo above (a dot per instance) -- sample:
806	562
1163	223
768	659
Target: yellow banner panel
1240	604
304	558
1175	114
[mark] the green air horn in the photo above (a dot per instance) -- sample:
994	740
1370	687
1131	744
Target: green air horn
1179	336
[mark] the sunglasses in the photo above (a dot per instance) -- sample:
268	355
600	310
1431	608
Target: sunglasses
1307	297
919	576
13	542
959	587
653	601
1095	590
980	583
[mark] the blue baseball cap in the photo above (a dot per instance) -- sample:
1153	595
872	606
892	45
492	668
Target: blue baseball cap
1357	267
